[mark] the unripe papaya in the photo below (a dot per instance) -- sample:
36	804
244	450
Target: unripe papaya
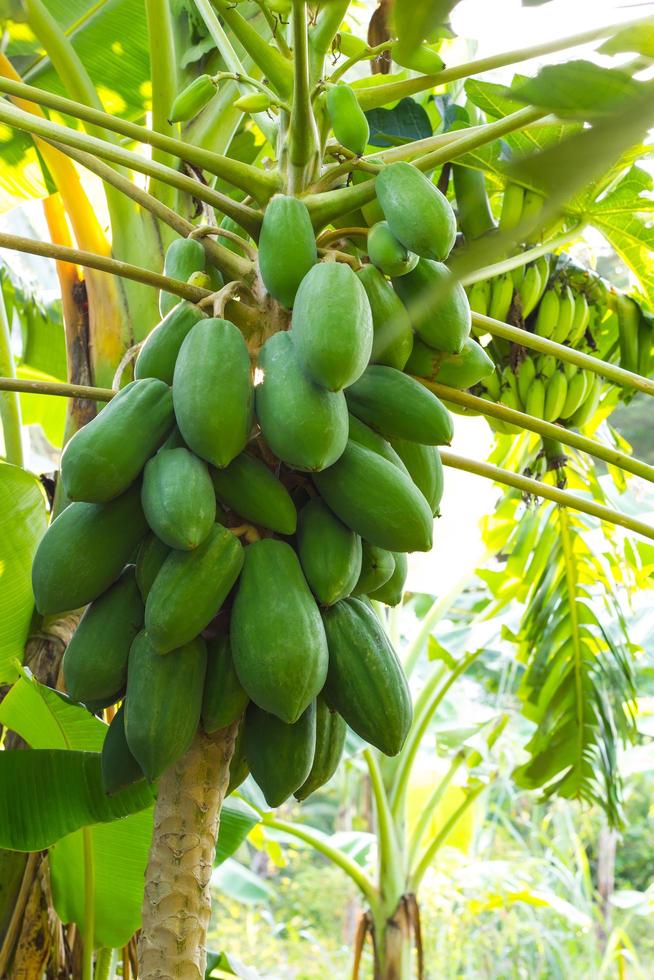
224	699
418	214
212	391
95	661
239	769
151	555
399	406
456	370
252	491
287	247
304	425
158	354
164	701
178	498
425	468
391	591
190	589
329	552
365	683
280	755
184	256
437	306
348	120
84	551
377	566
392	332
363	435
332	325
192	99
119	767
387	253
253	102
330	740
105	456
377	500
278	641
372	211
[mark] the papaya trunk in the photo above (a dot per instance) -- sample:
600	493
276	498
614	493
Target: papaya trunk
392	945
177	901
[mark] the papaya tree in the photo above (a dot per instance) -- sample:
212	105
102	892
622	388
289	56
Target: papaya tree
277	328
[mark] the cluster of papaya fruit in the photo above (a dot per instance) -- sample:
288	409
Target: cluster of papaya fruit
237	508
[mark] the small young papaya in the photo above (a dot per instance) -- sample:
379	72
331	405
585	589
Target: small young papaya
287	247
348	119
184	256
192	99
387	253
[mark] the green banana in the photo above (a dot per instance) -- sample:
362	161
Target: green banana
530	289
580	320
548	314
566	315
501	296
555	395
535	402
545	365
512	203
628	322
479	297
518	274
591	400
526	375
575	395
493	386
532	205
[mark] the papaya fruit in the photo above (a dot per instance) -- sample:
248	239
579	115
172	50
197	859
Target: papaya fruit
178	499
425	468
224	699
399	406
151	555
372	211
239	769
363	435
460	371
174	440
192	99
212	391
228	224
277	637
119	767
190	589
387	253
437	306
332	325
377	566
377	500
157	356
163	708
84	551
392	332
184	256
105	456
280	755
95	661
347	118
304	425
330	741
329	552
365	682
253	491
391	591
287	247
419	216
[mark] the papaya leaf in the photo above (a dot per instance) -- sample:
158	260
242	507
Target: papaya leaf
639	38
405	122
578	89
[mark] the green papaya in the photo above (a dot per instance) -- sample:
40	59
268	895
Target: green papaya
151	555
253	491
399	406
419	216
387	253
224	699
425	469
392	332
437	306
164	702
280	755
174	441
363	435
84	550
348	120
190	589
365	683
178	499
330	741
184	256
278	641
157	356
332	325
372	211
239	769
377	500
105	456
392	590
119	767
329	552
192	99
212	391
228	224
95	661
287	247
303	424
456	370
377	566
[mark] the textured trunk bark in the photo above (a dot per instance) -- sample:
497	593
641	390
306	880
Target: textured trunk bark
177	901
392	944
